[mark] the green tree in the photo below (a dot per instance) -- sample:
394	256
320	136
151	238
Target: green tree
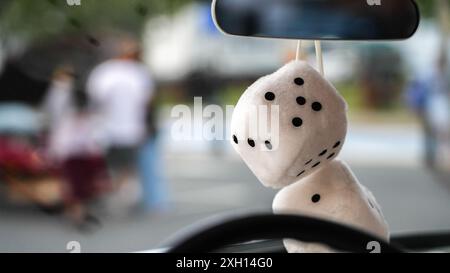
42	19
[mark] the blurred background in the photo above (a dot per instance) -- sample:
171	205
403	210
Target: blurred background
82	160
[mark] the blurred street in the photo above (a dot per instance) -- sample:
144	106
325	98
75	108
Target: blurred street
203	184
92	97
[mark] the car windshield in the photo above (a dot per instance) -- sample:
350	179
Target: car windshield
115	121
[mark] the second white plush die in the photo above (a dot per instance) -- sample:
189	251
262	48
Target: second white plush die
332	193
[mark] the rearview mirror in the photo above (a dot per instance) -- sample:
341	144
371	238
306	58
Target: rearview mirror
318	19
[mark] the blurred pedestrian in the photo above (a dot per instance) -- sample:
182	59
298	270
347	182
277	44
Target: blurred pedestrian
74	149
438	107
429	97
151	168
119	91
58	103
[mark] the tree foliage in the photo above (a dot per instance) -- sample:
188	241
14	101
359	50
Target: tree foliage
40	19
426	7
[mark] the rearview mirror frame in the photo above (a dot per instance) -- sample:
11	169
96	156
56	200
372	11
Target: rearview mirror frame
369	2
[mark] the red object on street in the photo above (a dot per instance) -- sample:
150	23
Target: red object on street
20	158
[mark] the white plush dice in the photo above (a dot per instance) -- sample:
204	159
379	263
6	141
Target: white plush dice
332	193
312	125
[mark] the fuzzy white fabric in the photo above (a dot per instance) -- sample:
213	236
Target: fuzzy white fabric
342	199
300	150
301	155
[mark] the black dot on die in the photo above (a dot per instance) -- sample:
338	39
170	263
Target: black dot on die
331	156
269	96
297	122
302	172
301	100
323	152
316	106
251	142
235	139
299	81
309	161
337	145
268	144
315	165
315	198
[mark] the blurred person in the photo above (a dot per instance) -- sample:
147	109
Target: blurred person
59	99
416	97
429	98
438	107
154	191
82	164
119	91
74	149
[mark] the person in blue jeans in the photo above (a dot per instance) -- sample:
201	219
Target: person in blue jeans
151	169
154	189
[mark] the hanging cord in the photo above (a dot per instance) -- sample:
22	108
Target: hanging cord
319	57
298	54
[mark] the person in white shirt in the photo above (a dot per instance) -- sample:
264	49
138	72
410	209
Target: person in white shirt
58	102
119	91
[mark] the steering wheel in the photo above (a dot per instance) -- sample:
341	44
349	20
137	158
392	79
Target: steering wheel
268	226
